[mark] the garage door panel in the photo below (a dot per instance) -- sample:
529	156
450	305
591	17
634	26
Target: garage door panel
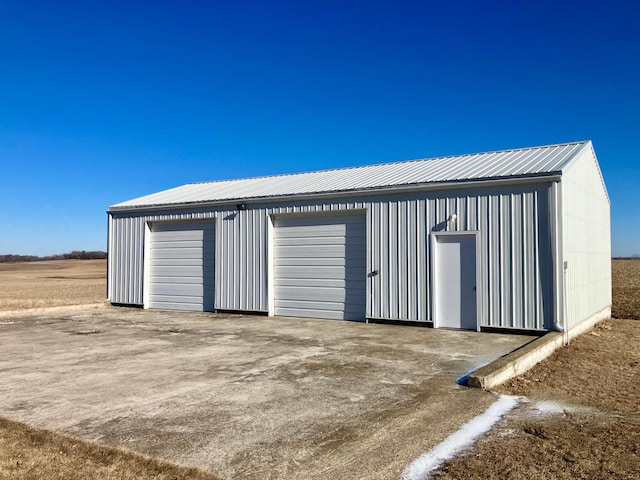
305	241
318	282
176	262
324	294
334	313
188	289
177	278
177	235
312	235
311	250
182	266
177	253
336	272
302	221
171	231
181	303
314	305
310	262
320	250
310	313
320	266
177	244
320	293
319	272
163	271
176	298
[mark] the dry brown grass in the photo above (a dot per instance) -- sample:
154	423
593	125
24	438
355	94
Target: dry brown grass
27	453
52	283
569	446
599	370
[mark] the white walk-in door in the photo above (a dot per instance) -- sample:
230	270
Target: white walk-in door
455	281
320	266
181	266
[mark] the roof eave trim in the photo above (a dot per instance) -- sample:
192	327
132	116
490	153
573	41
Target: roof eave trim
476	183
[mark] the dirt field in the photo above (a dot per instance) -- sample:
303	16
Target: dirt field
52	283
626	289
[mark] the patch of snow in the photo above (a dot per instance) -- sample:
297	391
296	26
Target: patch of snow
421	467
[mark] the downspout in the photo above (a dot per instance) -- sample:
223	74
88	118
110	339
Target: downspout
559	272
565	266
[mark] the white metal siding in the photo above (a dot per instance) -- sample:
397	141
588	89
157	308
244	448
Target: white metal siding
241	269
320	266
586	238
181	266
514	254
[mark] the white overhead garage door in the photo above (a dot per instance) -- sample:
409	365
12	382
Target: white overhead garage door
181	266
320	266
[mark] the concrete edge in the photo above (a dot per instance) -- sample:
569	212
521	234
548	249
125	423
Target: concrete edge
25	312
523	359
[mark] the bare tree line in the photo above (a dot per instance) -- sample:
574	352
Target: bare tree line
74	255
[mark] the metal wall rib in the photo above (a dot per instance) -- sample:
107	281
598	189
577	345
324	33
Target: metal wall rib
514	251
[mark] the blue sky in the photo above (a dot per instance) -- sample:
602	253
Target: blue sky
101	102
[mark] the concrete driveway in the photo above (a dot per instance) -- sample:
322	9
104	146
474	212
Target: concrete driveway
244	396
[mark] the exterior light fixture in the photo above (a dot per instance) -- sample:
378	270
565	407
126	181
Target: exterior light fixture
241	206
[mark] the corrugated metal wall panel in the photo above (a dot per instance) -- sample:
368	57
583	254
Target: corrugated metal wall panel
586	239
514	251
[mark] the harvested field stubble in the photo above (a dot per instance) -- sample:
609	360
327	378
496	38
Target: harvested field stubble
626	289
52	283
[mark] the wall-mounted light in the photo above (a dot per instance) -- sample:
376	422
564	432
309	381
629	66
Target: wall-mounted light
241	206
452	218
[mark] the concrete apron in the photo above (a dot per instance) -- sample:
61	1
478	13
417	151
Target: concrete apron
246	397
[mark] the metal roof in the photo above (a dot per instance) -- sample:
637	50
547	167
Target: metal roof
504	164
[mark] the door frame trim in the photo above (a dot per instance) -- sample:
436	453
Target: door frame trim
432	271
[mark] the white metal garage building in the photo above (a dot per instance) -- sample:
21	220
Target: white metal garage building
515	239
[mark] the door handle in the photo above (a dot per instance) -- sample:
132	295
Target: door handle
474	289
